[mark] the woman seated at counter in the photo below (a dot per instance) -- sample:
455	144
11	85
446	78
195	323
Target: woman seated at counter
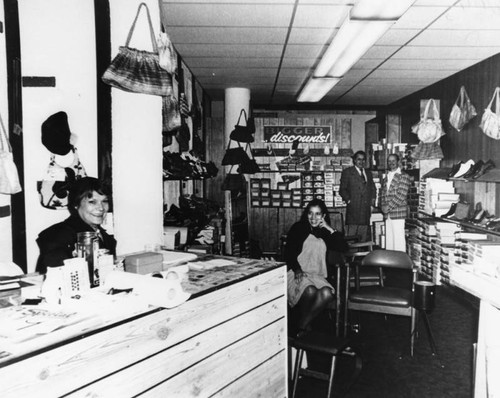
305	253
88	204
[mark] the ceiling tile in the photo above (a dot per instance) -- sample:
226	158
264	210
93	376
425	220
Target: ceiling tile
410	64
232	81
387	83
241	62
292	62
227	14
234	72
397	37
434	2
310	35
418	17
304	51
458	38
294	72
380	52
226	35
416	73
469	18
320	16
471	53
478	3
229	50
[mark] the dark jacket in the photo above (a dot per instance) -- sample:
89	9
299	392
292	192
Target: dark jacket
358	195
298	234
57	242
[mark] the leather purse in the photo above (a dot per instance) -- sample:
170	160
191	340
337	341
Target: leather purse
429	129
233	156
490	121
462	111
249	166
242	133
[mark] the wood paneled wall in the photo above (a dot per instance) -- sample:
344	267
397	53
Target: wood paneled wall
480	81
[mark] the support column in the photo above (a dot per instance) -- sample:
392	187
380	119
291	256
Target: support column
235	99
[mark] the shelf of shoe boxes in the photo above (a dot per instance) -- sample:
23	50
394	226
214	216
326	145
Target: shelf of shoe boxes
301	184
443	247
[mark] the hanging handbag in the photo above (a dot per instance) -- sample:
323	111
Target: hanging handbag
249	166
183	136
242	133
425	151
171	117
53	190
429	129
490	122
236	183
462	111
234	156
9	178
139	71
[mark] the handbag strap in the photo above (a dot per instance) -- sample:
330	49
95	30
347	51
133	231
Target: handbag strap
151	30
495	95
248	149
4	138
242	112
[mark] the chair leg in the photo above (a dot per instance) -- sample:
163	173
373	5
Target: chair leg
413	329
330	380
298	363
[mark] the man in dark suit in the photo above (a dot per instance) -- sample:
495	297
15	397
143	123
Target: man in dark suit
358	191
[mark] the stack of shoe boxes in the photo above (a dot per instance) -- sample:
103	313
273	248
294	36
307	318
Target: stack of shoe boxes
260	192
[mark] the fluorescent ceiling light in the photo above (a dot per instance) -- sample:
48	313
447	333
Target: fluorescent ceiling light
316	88
380	9
352	41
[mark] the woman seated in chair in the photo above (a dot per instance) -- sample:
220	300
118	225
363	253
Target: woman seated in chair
305	253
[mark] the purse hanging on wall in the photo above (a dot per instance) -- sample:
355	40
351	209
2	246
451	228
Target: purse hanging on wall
9	178
462	111
429	129
234	156
242	133
249	166
53	190
236	183
490	121
139	71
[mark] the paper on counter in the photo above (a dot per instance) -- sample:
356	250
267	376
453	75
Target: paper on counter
210	264
171	258
165	293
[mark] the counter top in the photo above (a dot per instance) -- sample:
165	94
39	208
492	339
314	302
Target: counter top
103	315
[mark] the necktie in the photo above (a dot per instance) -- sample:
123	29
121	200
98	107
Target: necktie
363	175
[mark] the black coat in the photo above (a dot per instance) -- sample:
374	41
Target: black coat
358	194
298	234
57	242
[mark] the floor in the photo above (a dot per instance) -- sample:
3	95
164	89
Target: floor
389	371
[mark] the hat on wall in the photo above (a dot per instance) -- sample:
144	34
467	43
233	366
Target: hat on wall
56	134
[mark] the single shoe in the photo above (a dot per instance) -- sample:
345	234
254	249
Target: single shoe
454	169
474	169
451	211
484	169
478	209
464	168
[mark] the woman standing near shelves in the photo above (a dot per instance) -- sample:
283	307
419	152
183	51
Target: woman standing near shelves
394	204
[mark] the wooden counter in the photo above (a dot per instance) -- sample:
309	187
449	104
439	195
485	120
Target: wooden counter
227	340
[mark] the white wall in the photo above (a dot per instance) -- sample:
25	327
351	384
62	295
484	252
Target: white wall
137	142
5	222
57	39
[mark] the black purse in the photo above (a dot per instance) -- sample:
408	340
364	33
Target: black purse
234	156
249	166
242	133
236	183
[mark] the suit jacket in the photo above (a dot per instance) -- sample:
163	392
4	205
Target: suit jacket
57	242
358	195
395	196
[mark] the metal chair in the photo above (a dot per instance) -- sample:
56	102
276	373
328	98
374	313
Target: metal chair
386	299
366	276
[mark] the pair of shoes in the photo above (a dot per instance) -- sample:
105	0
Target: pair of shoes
454	169
450	212
484	169
474	169
464	168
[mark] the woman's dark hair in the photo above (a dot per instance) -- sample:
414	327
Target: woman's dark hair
83	188
319	203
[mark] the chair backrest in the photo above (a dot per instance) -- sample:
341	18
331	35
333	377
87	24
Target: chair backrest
388	259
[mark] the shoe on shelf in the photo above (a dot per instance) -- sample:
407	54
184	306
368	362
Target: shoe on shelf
474	169
450	212
478	209
454	169
464	168
484	169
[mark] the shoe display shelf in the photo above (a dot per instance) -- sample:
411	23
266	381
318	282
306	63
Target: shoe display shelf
492	175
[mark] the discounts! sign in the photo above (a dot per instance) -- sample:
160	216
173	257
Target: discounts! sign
288	134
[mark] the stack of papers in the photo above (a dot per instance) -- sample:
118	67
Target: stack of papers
210	264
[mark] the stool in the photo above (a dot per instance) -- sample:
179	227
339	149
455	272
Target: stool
424	301
320	343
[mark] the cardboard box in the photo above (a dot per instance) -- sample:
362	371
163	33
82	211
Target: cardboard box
183	231
144	263
171	239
